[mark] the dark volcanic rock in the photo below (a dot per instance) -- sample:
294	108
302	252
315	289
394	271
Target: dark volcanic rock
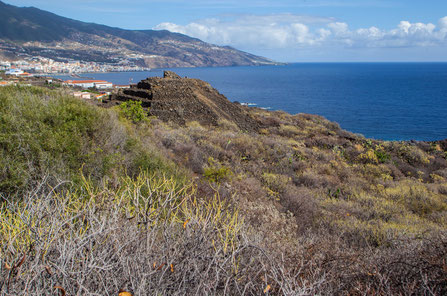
179	100
171	75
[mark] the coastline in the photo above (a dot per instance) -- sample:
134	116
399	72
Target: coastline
369	99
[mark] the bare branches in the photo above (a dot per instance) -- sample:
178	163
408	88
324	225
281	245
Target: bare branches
83	242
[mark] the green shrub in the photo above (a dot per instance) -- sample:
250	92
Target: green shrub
44	133
133	111
216	172
382	156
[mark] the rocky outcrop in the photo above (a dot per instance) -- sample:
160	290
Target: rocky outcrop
171	75
176	99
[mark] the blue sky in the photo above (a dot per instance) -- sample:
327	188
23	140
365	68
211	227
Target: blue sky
284	30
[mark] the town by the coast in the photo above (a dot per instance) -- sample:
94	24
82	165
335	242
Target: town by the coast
39	71
37	65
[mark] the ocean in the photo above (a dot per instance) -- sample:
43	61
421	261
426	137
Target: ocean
388	101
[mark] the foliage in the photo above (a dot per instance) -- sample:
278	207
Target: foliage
133	111
147	226
381	154
53	85
216	172
45	133
38	136
349	214
91	90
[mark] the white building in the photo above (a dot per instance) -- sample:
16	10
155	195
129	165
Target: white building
103	85
5	65
15	72
99	84
82	95
117	86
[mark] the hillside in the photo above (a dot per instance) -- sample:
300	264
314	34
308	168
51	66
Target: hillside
28	30
180	100
95	200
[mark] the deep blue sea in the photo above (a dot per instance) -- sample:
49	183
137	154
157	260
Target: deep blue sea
389	101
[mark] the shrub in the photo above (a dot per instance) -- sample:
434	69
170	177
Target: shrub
413	155
46	134
369	156
146	236
417	199
300	202
275	182
216	172
133	111
382	156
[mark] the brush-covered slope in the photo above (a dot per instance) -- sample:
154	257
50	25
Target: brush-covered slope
39	32
92	200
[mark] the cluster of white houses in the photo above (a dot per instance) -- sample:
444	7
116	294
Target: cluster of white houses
97	84
18	73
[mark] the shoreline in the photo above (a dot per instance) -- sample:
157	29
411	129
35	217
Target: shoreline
360	100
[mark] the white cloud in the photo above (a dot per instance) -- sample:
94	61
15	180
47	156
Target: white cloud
297	31
270	31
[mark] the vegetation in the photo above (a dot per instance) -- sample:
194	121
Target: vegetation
216	172
146	235
312	189
133	111
94	202
48	135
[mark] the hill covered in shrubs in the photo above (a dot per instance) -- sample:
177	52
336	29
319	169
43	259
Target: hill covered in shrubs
94	201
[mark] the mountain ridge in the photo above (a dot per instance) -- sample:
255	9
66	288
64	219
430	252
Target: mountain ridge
36	32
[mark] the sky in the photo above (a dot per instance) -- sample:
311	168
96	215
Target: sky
283	30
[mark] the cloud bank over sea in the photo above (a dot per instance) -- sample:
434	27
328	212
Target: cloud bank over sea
291	31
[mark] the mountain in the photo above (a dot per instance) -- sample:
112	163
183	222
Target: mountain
34	32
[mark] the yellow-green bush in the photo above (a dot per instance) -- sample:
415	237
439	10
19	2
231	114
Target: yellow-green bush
275	182
216	172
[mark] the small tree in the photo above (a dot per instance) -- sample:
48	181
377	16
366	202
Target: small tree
133	110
